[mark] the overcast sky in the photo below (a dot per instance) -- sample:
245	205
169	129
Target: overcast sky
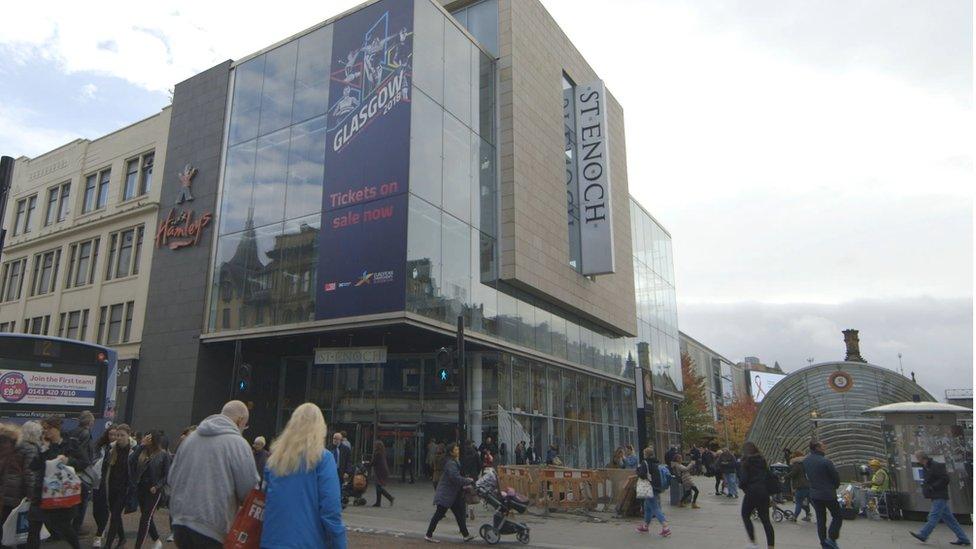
812	159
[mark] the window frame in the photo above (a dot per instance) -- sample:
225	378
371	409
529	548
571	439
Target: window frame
74	263
38	288
116	244
97	185
6	286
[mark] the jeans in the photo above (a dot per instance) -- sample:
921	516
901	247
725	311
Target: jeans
820	507
941	512
802	499
732	484
459	515
760	504
652	509
187	538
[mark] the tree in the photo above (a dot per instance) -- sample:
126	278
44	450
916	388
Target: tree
735	420
693	414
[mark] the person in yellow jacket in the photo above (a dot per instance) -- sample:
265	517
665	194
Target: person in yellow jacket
880	483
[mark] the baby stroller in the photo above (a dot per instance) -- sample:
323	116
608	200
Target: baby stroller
504	504
356	486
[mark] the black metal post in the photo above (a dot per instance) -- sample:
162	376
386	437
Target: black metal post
462	380
6	178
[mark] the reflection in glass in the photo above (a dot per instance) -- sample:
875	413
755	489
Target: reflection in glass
423	257
278	91
457	74
426	142
428	50
457	169
312	75
238	186
456	246
292	265
248	79
271	169
306	168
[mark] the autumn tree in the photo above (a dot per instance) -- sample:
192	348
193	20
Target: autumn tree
693	414
735	420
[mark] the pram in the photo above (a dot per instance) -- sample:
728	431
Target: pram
504	503
356	486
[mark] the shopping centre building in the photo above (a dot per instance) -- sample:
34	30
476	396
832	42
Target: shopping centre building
332	204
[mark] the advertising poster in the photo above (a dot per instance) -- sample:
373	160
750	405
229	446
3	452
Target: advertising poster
23	387
760	383
363	240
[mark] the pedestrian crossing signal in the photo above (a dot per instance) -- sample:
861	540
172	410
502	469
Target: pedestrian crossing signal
244	378
443	375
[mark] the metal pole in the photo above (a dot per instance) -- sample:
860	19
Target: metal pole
639	397
462	380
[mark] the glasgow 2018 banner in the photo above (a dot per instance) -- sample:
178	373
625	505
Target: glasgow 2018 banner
363	240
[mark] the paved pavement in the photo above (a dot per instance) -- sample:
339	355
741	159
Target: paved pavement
715	525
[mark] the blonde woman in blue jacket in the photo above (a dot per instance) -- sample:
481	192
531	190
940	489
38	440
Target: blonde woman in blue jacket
303	506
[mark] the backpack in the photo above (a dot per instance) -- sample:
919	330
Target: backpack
664	476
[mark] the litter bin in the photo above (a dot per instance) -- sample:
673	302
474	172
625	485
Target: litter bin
677	491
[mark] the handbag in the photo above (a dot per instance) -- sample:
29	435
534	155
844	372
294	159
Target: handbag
245	533
16	526
643	489
62	487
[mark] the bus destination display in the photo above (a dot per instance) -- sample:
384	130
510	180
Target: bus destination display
24	387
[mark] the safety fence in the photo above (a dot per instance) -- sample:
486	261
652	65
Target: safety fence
566	489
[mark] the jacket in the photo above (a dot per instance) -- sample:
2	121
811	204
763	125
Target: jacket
82	438
451	484
344	463
725	463
150	472
29	452
212	473
647	469
797	476
115	477
752	479
260	460
15	483
303	510
381	471
470	463
935	484
708	460
822	475
881	481
684	473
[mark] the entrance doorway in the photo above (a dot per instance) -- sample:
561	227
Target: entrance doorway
293	381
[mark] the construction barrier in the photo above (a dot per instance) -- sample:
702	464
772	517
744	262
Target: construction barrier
560	488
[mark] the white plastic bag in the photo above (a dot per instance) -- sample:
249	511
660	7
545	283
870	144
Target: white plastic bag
62	487
16	526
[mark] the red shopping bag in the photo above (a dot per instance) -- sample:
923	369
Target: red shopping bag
245	533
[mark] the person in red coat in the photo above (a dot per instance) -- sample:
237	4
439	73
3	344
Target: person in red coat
381	472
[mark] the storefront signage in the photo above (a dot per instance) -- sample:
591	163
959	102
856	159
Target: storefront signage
182	227
593	175
350	355
364	199
46	388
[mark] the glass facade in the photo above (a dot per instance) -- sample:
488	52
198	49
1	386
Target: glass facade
657	311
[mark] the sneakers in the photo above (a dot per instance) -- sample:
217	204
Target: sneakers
752	546
641	529
918	537
695	506
665	532
431	539
468	538
960	542
97	542
806	518
169	538
158	544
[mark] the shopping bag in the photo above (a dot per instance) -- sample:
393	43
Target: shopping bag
62	487
16	526
245	533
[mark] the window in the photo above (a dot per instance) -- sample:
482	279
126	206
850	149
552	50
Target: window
74	324
57	203
25	211
96	190
124	250
82	257
138	176
481	20
115	323
13	279
8	326
45	272
37	325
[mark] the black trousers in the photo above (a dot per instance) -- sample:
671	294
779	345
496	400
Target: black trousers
100	511
820	507
407	468
760	503
381	491
116	530
59	522
148	502
691	493
86	496
718	482
459	515
186	538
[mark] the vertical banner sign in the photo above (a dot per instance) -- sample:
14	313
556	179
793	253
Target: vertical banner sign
363	241
593	161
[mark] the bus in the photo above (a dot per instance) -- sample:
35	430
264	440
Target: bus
44	376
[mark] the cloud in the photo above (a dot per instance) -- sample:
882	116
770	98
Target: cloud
88	92
934	336
17	127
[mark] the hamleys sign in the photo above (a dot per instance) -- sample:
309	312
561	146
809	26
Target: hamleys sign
182	228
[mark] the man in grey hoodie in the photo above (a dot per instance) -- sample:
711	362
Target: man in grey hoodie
212	473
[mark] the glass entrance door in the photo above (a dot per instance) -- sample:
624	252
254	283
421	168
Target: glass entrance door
293	385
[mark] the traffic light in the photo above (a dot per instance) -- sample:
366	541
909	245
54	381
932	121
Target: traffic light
243	378
445	365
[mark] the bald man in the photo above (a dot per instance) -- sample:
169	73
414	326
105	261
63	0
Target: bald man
212	473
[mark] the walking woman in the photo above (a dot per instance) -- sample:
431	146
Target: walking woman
303	507
381	472
755	473
28	448
100	511
149	467
450	495
115	485
14	482
648	470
